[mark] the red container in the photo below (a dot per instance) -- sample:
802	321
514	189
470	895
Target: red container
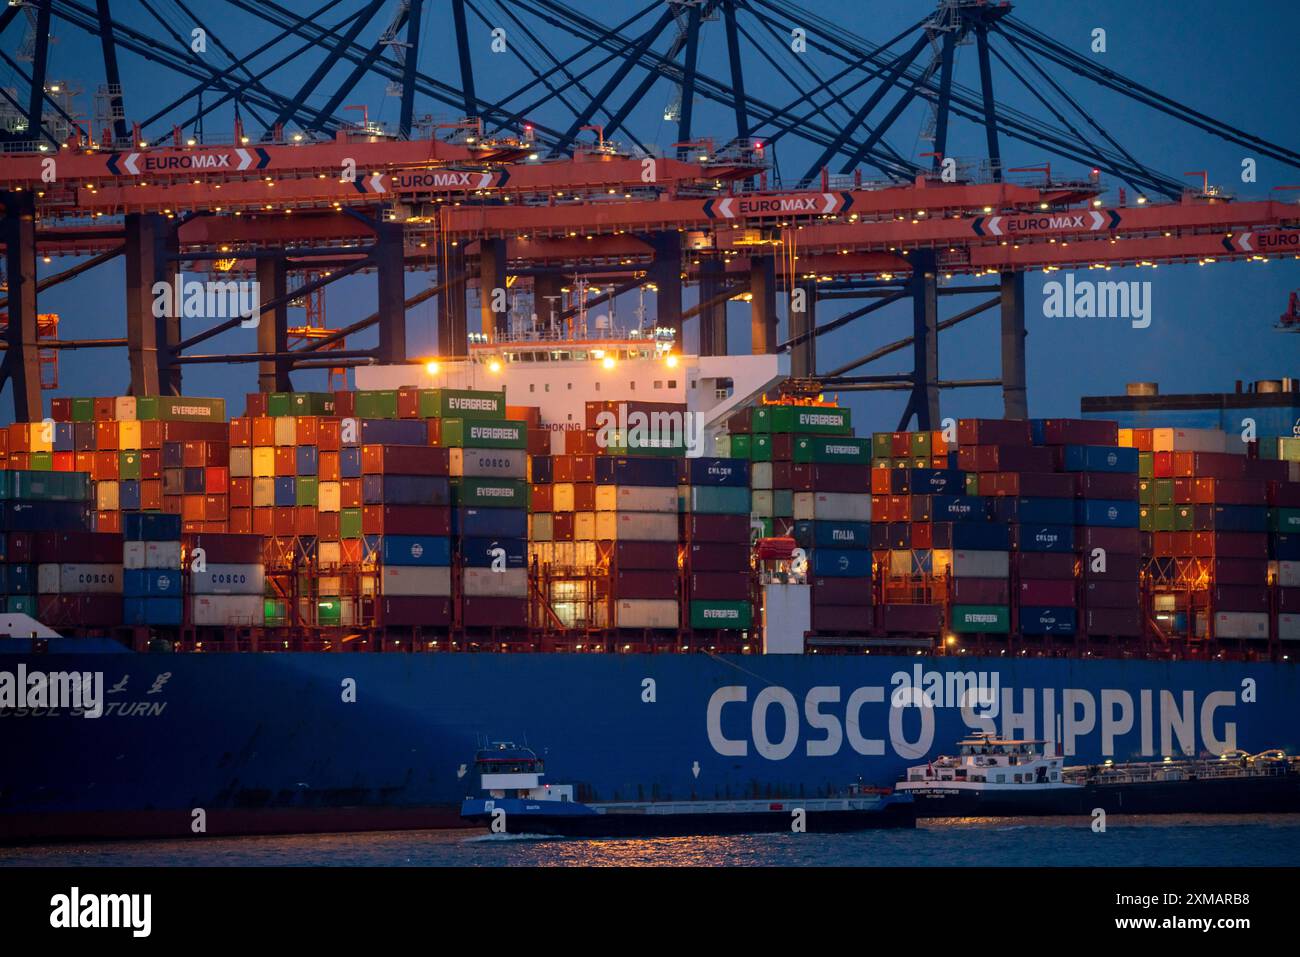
661	556
304	520
215	479
853	619
1240	597
406	520
841	591
626	583
151	495
263	431
1047	565
20	547
327	466
416	612
1284	494
481	612
719	586
1119	568
1220	465
1229	545
1035	484
241	521
345	404
255	403
1080	432
350	493
1238	571
241	493
106	435
1112	622
108	522
1110	485
188	432
1122	541
329	436
408	403
1006	458
993	432
104	466
61	410
911	619
227	549
717	556
983	591
1111	594
562	526
716	528
922	536
1209	491
306	430
1288	600
241	432
285	522
264	521
542	498
584	497
286	461
78	547
1042	591
328	526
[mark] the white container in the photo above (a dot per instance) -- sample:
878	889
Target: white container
286	430
106	496
511	583
584	526
241	462
489	463
832	506
329	497
227	610
1241	624
224	579
541	527
133	554
760	475
964	563
47	578
635	498
162	555
1288	627
124	408
562	497
1188	440
89	579
636	526
647	613
762	503
415	580
1288	574
328	554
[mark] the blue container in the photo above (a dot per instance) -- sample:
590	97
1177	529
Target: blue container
937	482
490	522
192	481
422	550
152	611
405	489
1045	538
18	516
713	471
128	495
840	563
286	492
20	580
1284	548
143	582
1237	518
810	534
1112	513
1048	620
307	459
635	470
543	469
478	552
959	508
1100	458
393	432
981	536
63	437
151	527
1045	511
350	463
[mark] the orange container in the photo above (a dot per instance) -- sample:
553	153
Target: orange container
263	431
106	435
264	521
285	522
304	520
350	493
308	428
328	435
286	460
109	523
216	479
64	461
880	482
105	466
105	409
241	431
327	466
241	493
241	521
151	495
150	464
408	404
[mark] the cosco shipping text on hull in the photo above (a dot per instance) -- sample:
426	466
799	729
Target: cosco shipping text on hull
264	743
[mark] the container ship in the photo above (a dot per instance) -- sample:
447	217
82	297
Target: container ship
671	577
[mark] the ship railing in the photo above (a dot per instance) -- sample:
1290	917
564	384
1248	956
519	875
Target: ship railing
1142	772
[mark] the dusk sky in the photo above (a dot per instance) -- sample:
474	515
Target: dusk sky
1210	325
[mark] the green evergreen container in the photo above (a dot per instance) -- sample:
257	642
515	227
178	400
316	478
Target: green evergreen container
720	614
279	403
180	408
742	446
849	450
815	420
985	619
307	490
128	465
484	434
462	404
83	410
488	493
380	404
350	523
310	403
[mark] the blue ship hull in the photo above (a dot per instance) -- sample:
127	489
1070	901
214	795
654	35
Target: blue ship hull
258	743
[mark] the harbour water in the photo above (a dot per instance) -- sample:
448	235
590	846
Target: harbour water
1171	841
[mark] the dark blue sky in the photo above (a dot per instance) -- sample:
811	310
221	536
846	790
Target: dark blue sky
1210	325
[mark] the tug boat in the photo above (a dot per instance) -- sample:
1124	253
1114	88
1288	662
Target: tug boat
514	799
997	777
